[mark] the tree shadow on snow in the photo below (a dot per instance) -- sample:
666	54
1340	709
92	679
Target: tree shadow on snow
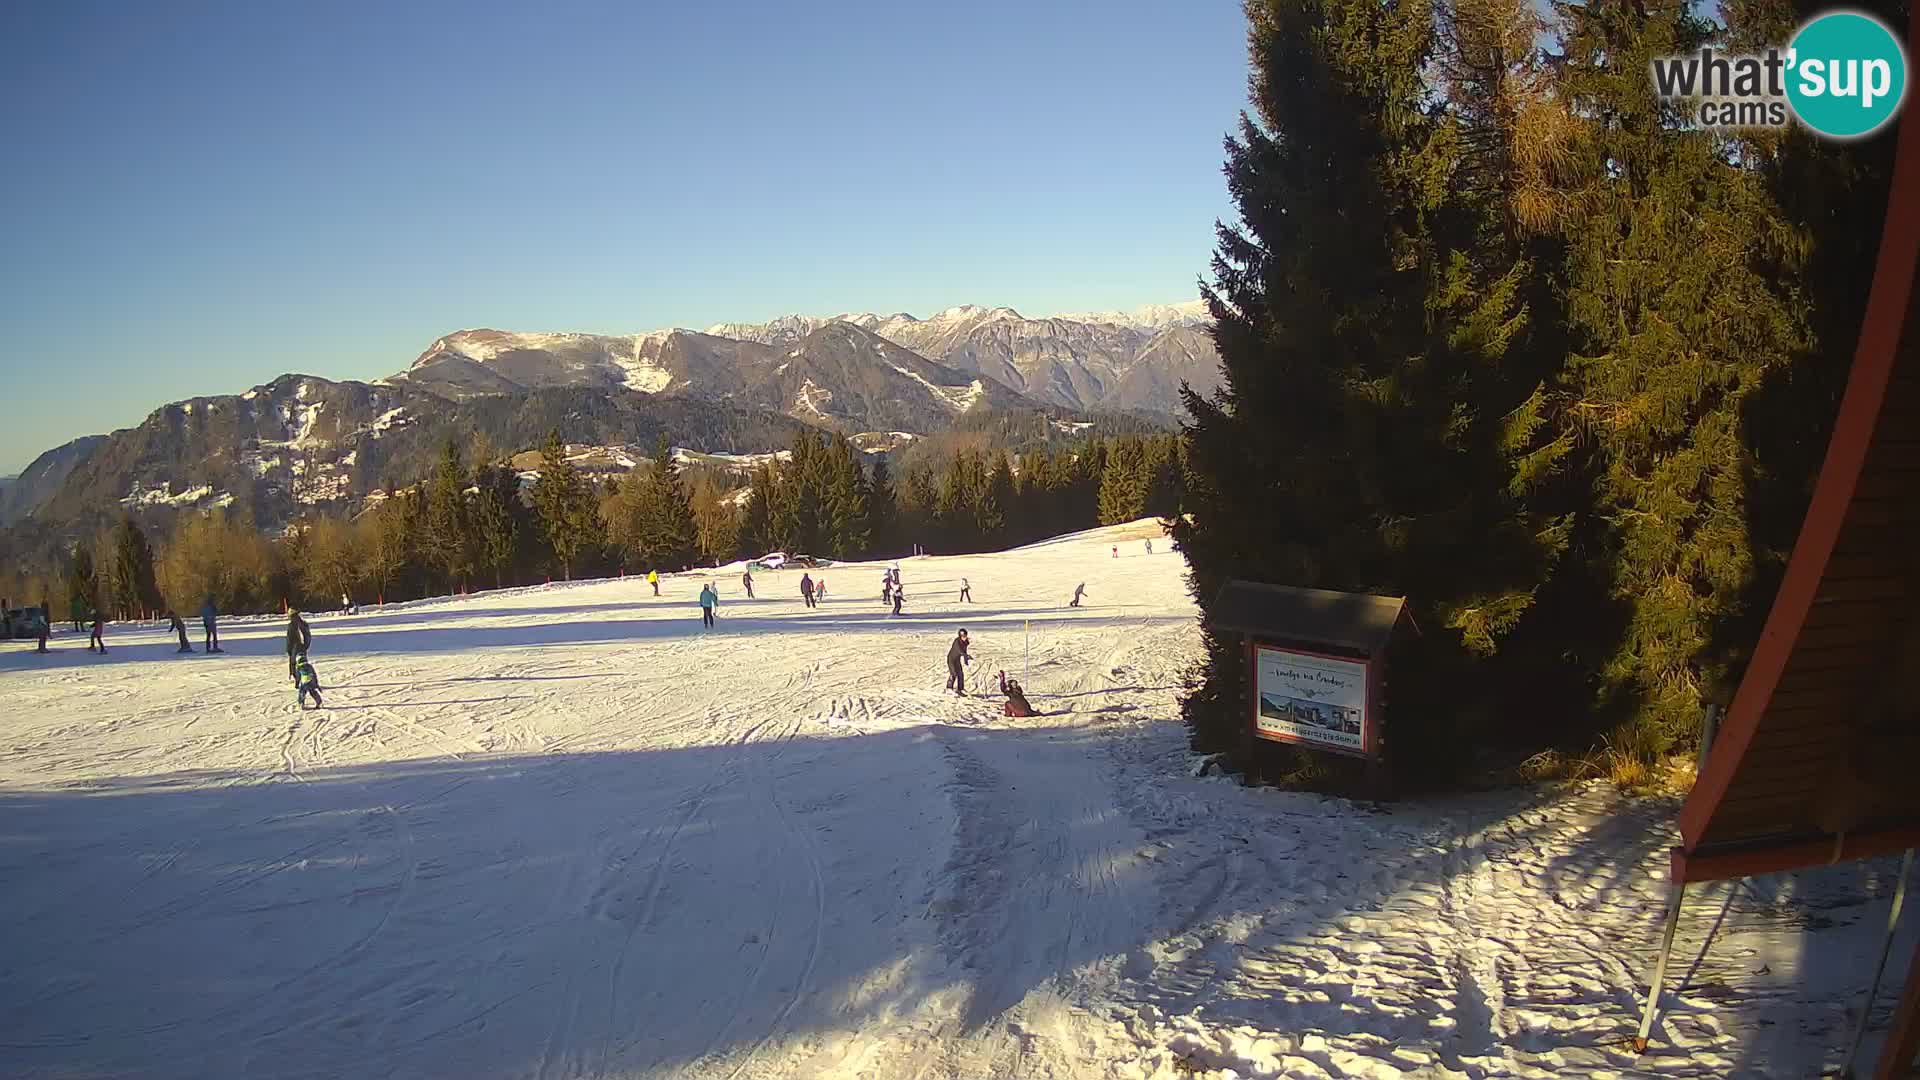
613	913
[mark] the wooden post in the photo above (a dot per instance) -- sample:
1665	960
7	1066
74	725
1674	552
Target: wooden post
1250	745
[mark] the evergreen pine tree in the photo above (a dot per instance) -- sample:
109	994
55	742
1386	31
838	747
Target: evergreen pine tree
1372	432
665	535
1677	319
131	590
883	510
848	526
1123	483
495	523
449	533
918	512
758	534
563	504
83	589
996	504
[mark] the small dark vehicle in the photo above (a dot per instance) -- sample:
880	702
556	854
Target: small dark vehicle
24	624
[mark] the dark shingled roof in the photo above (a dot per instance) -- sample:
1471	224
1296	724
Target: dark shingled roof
1351	620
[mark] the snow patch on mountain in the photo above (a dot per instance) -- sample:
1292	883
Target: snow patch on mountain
643	372
163	496
810	398
957	398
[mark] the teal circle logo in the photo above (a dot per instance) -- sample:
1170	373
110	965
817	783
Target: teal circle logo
1847	74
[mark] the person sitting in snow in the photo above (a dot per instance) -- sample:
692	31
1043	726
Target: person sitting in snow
1016	704
306	681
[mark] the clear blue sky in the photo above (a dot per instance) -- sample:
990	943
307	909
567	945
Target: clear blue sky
198	197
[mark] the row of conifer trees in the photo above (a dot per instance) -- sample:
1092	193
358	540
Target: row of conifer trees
1509	335
465	527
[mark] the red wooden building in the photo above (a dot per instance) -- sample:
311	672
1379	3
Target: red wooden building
1818	759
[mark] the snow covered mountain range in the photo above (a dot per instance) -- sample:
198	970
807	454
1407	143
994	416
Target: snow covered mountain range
1113	361
302	441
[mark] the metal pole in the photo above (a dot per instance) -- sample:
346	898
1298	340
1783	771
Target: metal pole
1660	967
1866	1007
1709	726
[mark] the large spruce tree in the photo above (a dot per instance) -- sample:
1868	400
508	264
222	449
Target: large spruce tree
1374	429
1680	310
450	538
564	506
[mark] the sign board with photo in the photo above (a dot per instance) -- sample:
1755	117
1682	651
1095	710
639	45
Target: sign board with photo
1313	699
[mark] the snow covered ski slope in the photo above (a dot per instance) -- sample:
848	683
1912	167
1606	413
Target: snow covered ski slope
566	832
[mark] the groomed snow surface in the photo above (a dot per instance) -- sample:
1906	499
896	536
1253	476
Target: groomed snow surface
566	832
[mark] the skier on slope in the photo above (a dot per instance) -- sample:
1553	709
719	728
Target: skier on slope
305	681
180	628
709	599
806	589
1079	591
653	579
299	640
97	639
746	581
886	588
899	597
956	655
966	591
208	616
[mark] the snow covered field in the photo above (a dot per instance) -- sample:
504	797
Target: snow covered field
566	832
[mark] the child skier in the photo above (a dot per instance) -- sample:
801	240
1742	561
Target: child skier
653	579
180	628
1079	591
709	599
97	640
306	681
746	580
966	592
